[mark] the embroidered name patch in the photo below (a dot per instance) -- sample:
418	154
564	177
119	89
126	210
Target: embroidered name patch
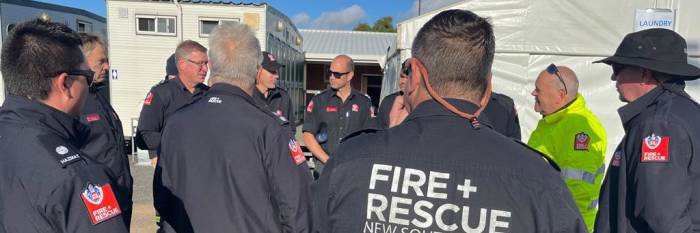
331	109
100	202
92	117
655	148
581	141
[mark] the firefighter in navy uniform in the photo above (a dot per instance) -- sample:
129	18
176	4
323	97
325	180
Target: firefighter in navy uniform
652	183
46	183
268	94
169	95
336	112
437	171
237	169
105	143
501	114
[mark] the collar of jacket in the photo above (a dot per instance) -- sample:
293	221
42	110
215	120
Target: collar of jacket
433	108
197	88
578	104
37	114
97	86
631	110
270	95
228	89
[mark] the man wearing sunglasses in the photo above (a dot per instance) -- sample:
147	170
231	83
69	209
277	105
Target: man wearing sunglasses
336	112
571	135
48	184
105	143
440	170
652	183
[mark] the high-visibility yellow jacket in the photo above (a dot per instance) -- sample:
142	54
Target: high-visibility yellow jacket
574	138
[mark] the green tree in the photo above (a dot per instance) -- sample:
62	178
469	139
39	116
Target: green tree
362	27
385	24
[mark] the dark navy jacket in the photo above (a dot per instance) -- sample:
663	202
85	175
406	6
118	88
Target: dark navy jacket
164	99
278	102
653	180
105	144
501	114
436	173
43	173
233	171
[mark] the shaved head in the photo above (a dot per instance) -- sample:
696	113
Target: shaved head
552	93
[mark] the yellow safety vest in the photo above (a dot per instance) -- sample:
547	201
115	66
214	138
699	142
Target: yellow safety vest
574	138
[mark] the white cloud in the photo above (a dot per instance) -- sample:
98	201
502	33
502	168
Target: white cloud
301	19
344	19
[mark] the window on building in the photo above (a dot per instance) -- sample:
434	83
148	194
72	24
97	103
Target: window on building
83	26
155	25
206	25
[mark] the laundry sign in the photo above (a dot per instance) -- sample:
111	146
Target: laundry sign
654	18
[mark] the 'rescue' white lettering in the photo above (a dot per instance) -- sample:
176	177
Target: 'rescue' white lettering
387	213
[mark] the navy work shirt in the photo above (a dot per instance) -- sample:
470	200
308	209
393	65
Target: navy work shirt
162	101
238	169
277	101
105	144
46	183
436	173
653	180
329	119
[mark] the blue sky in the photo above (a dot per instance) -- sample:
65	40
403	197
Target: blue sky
319	14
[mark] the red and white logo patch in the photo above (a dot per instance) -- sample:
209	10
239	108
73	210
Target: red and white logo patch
148	100
279	113
581	141
100	202
92	117
655	148
371	112
355	108
297	153
310	107
272	58
331	109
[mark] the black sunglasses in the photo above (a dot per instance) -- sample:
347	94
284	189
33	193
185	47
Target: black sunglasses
337	74
406	68
552	69
89	74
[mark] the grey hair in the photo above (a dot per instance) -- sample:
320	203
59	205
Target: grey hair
235	54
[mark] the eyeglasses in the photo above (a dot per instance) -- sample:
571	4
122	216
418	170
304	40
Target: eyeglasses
337	74
199	64
89	74
552	69
406	68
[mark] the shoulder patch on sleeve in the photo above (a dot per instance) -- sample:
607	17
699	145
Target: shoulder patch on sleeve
149	99
310	107
655	148
358	133
581	141
101	203
297	153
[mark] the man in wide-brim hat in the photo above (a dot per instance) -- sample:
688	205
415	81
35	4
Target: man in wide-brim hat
653	182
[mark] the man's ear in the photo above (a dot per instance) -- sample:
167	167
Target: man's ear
60	85
351	75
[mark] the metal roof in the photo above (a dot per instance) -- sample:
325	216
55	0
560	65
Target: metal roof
324	45
54	7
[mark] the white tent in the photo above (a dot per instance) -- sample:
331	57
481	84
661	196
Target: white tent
531	34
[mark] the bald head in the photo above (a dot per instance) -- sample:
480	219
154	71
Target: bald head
552	93
346	61
342	73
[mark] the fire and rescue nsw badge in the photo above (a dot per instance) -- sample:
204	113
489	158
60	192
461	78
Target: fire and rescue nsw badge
295	150
655	148
581	141
101	203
